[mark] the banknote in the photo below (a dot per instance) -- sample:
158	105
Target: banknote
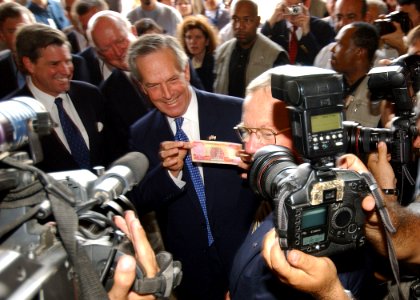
215	152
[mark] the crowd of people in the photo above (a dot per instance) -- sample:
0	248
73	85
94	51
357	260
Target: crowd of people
170	72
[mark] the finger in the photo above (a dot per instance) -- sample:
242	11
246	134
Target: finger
125	274
351	162
368	204
268	243
122	225
382	152
171	144
144	252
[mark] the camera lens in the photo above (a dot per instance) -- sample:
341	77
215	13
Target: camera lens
361	140
269	168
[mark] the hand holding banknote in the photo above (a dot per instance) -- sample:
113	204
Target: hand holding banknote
172	155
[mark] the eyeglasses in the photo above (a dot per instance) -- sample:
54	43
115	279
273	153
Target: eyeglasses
264	135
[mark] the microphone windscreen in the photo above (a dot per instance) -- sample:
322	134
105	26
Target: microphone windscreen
137	162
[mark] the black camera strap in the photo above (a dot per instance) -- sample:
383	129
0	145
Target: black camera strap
388	226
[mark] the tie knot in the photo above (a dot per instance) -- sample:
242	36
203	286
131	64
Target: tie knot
58	101
178	122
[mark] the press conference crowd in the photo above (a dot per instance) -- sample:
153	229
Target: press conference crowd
162	74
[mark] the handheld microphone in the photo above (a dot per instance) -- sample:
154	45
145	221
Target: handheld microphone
125	172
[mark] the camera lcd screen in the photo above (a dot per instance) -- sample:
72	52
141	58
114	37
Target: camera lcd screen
326	122
316	238
314	217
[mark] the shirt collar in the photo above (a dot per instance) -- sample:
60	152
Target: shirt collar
46	99
192	111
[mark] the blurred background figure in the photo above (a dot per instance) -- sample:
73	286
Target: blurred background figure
166	16
49	12
216	13
184	7
199	42
147	25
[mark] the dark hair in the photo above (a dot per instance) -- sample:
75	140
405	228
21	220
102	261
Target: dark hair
30	39
145	25
81	7
366	36
151	43
197	22
13	10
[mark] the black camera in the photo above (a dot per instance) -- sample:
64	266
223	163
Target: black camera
317	207
397	83
385	26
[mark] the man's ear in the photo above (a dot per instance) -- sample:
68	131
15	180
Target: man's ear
187	72
134	31
27	64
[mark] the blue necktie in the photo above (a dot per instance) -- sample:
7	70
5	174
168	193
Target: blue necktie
195	177
78	148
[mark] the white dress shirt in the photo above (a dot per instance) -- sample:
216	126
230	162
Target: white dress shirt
191	127
49	104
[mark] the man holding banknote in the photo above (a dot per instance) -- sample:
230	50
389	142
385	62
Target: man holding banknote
204	210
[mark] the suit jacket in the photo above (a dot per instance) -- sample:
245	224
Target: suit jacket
321	34
9	71
124	105
250	277
92	63
8	74
88	102
230	203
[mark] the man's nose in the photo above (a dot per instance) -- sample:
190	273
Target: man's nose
253	144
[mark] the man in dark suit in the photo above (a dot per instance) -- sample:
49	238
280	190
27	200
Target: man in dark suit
44	53
13	15
265	122
202	233
291	19
111	33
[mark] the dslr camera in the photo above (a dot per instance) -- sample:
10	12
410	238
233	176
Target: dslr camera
397	83
317	208
385	26
293	10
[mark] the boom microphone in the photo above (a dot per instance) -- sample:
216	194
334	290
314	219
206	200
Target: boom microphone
125	172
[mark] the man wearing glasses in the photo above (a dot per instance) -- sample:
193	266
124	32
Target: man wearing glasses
265	122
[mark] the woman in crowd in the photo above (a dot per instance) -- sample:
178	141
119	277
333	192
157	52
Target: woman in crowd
199	41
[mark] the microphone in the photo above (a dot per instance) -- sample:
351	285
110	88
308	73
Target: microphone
124	173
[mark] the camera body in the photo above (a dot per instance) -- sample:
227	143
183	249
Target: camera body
385	26
294	10
317	208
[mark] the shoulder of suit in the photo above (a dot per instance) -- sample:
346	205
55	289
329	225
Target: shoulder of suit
218	99
267	42
6	53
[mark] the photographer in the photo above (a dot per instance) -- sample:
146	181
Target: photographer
302	271
265	122
302	35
